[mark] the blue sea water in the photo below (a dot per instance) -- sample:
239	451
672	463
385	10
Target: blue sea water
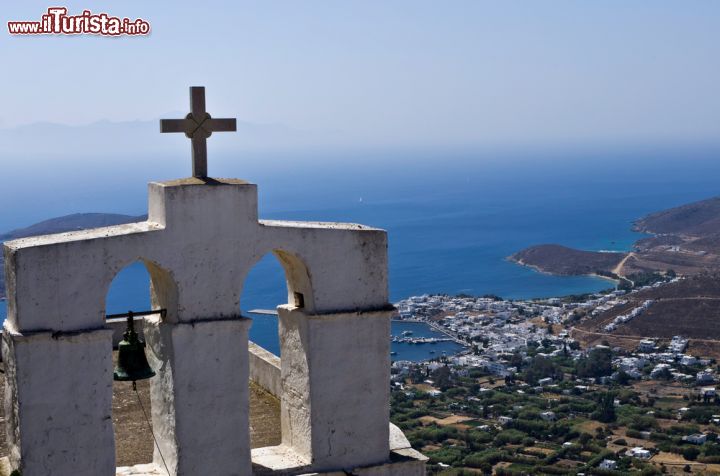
418	352
451	219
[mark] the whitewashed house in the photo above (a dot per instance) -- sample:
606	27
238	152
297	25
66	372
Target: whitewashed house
639	452
646	345
696	438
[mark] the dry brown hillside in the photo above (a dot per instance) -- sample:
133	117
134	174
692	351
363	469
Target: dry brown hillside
686	239
690	307
558	259
694	219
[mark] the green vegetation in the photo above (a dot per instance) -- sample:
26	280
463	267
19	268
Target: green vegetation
479	425
649	278
605	412
541	367
598	363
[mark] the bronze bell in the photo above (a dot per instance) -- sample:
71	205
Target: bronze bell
132	362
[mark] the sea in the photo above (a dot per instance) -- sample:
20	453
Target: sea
452	216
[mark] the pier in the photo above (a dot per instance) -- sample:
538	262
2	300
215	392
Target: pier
429	340
420	340
451	337
268	312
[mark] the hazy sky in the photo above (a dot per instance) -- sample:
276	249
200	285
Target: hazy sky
400	72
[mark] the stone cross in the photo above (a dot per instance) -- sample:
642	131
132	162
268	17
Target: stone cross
198	126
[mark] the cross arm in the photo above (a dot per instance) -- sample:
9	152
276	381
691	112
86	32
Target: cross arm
173	125
220	125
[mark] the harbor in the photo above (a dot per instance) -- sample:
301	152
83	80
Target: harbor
416	341
411	339
428	343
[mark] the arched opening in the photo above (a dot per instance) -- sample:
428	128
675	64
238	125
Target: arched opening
263	291
277	278
139	287
142	285
129	290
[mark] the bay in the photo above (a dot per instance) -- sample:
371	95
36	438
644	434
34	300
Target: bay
451	220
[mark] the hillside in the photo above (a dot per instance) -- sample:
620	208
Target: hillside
689	307
77	221
696	219
686	239
558	259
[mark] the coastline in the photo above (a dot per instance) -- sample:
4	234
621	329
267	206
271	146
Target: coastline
683	239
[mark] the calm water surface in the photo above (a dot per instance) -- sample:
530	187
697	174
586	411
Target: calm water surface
451	224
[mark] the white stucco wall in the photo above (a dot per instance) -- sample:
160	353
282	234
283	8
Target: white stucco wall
58	403
335	392
200	403
199	243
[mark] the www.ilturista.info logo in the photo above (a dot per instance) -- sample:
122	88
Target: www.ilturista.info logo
58	22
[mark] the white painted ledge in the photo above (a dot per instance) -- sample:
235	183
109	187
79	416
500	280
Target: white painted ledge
149	469
283	461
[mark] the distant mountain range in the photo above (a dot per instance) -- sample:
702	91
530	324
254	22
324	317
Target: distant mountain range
686	239
106	137
77	221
